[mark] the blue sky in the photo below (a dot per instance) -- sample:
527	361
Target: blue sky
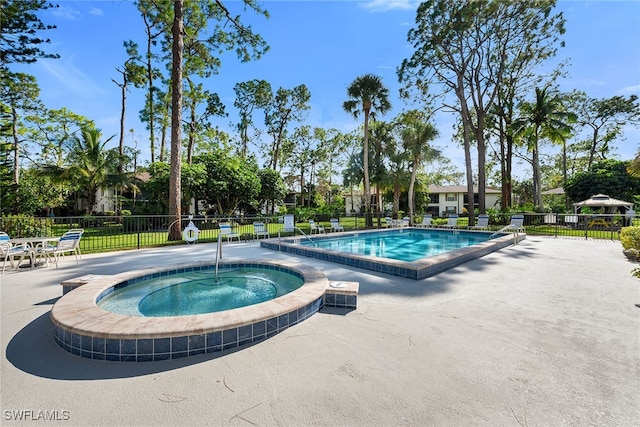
325	45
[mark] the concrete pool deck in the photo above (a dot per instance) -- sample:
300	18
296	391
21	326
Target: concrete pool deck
538	334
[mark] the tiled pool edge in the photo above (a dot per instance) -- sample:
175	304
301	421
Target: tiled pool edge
83	329
416	270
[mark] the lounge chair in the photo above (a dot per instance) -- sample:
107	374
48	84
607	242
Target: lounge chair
10	252
482	224
315	227
68	243
406	221
389	222
452	221
517	223
227	231
260	229
426	221
335	225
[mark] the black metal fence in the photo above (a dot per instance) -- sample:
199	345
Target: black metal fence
109	233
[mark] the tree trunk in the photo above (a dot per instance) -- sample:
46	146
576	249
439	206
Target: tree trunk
411	195
16	146
367	187
537	191
176	122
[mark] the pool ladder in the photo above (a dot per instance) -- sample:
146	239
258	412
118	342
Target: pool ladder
507	228
294	230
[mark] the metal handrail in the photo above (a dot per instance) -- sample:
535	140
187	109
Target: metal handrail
218	254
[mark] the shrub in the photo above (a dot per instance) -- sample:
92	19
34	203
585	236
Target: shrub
630	237
26	226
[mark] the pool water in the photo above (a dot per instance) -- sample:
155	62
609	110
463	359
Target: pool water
401	245
198	292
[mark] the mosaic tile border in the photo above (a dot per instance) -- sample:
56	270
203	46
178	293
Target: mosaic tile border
154	349
416	270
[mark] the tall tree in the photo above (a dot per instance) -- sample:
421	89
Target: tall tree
131	73
197	122
416	133
89	167
20	25
156	24
175	188
287	106
20	93
544	118
367	95
463	48
250	95
247	44
606	119
53	130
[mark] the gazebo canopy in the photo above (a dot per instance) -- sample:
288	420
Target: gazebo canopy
603	201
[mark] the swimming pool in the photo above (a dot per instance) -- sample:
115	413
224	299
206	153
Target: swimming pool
400	245
376	257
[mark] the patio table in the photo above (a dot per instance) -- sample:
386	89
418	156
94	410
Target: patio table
33	243
595	222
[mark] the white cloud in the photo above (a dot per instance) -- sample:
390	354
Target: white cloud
386	5
96	11
71	77
66	12
629	90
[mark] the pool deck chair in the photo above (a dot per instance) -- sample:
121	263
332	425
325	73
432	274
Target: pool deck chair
335	225
260	230
405	222
315	228
517	223
10	252
452	221
68	243
389	222
227	231
426	221
482	224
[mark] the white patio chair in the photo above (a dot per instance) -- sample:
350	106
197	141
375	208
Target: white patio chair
452	221
260	229
68	243
517	223
482	224
10	252
335	225
426	221
227	231
316	228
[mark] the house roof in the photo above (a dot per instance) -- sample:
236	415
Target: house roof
433	189
554	191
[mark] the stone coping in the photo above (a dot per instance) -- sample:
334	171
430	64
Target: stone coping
77	311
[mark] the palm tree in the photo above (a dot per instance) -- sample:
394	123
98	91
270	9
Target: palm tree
367	94
92	166
416	135
545	118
